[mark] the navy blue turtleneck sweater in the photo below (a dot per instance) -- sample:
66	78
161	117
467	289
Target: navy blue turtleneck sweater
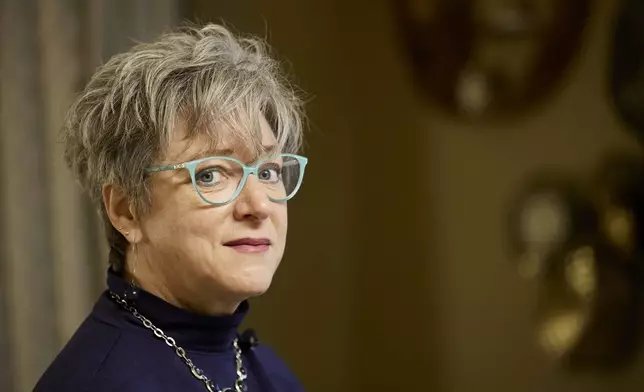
112	351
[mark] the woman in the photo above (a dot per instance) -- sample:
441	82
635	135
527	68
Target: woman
186	146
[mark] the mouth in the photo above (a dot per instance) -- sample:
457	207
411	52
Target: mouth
249	245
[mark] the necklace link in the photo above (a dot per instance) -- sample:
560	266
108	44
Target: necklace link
239	385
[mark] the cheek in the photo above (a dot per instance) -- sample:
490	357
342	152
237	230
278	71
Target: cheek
177	215
281	221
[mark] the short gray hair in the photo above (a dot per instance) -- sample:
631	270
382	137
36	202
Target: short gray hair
206	76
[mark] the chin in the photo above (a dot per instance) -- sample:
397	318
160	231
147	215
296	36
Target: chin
251	289
253	282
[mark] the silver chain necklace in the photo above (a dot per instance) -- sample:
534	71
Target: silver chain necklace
181	353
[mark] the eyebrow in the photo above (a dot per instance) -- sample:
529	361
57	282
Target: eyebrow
266	149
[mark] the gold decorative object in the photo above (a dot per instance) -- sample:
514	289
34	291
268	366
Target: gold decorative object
489	59
584	244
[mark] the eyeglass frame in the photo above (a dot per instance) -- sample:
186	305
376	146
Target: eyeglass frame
247	170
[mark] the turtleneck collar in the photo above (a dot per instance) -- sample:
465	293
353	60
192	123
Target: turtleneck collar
190	330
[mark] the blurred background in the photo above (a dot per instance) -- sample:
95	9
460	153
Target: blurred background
470	220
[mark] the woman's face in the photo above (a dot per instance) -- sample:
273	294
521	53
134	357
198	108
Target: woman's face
187	245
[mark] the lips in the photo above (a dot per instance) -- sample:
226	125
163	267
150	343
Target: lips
250	245
249	242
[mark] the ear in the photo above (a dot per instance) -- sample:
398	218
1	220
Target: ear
120	212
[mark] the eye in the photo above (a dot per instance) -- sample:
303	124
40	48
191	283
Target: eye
270	173
209	177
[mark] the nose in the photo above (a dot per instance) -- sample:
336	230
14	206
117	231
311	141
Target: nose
252	202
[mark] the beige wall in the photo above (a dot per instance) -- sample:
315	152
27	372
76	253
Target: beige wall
408	284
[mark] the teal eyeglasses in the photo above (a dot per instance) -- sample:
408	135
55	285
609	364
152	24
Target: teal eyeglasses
219	180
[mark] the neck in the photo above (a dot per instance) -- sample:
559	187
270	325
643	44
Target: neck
186	295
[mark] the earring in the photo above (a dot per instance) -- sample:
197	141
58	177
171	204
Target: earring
132	290
126	233
136	260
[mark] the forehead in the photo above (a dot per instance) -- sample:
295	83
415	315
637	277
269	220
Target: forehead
183	148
